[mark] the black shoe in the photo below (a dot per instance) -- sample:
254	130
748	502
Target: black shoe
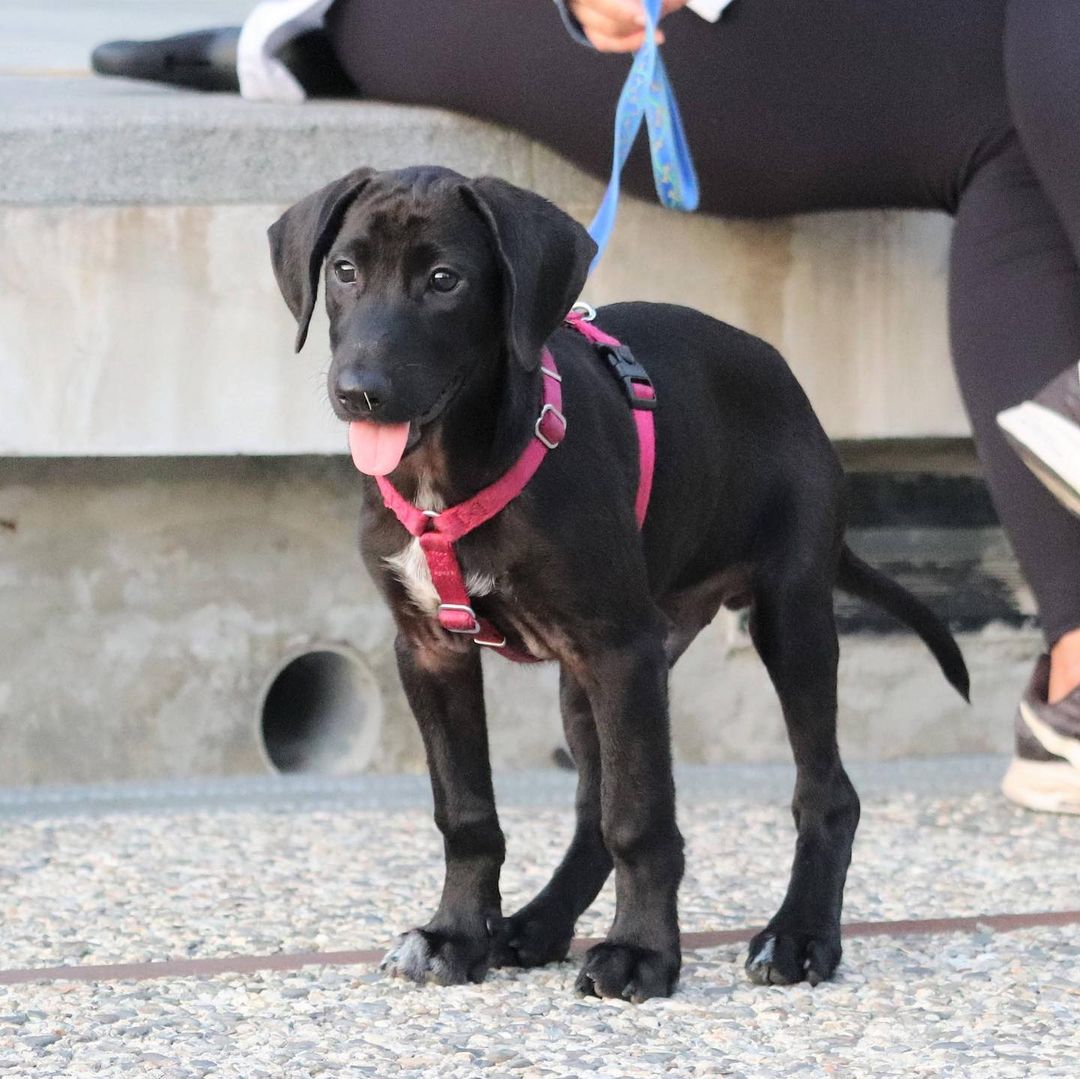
206	60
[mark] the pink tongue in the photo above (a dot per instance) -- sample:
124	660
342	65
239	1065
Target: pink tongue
377	447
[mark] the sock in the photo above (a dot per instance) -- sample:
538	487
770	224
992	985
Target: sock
270	25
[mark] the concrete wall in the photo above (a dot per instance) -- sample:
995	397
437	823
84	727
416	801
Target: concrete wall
147	603
159	330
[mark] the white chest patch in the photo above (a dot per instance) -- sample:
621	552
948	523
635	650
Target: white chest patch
411	568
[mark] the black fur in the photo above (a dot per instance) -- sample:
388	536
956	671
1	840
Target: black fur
747	510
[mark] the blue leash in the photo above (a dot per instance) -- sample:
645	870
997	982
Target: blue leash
647	94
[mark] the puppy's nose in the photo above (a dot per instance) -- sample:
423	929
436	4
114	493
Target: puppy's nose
361	393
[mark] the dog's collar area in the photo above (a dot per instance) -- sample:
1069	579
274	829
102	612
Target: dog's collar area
438	531
455	521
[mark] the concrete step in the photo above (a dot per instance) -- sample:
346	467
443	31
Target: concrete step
151	605
155	202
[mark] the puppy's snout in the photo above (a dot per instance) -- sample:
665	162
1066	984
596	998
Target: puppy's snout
361	393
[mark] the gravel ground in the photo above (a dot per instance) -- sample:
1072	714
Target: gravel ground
133	887
997	1006
180	882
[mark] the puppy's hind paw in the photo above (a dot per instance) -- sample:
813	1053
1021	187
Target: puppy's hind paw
426	955
778	958
530	939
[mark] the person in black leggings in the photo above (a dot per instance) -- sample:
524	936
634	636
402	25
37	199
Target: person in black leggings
966	106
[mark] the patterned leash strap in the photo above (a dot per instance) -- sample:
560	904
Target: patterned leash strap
647	94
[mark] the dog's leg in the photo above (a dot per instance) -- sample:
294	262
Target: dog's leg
542	930
794	631
627	687
445	690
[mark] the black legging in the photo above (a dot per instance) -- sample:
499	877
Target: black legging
968	106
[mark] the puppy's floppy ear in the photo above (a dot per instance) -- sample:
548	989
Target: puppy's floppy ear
544	255
300	238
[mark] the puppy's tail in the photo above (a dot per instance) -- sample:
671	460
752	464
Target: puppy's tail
859	579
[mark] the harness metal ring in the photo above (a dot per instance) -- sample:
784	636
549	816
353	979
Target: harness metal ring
588	312
473	629
540	419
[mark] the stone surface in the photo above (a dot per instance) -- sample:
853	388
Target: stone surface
265	874
262	877
84	141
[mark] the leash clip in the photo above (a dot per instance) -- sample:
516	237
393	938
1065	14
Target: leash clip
637	385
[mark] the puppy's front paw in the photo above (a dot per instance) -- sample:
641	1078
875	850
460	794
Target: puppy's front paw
783	958
428	955
629	972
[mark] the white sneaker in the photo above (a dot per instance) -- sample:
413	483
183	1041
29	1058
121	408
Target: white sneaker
1046	433
1045	771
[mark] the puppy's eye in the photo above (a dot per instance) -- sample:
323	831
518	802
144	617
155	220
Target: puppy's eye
345	272
444	280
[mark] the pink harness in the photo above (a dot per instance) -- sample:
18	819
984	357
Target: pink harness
438	532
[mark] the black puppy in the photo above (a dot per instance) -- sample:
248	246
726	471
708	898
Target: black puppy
442	293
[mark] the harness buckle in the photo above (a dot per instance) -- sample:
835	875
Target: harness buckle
632	375
553	438
462	608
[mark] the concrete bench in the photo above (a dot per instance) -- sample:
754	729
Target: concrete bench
148	208
150	604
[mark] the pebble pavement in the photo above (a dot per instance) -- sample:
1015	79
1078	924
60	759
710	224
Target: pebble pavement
184	881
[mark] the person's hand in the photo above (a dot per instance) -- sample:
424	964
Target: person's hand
617	25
